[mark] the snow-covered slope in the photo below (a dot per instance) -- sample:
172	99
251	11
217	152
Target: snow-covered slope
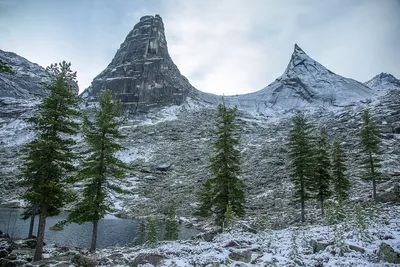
384	82
26	82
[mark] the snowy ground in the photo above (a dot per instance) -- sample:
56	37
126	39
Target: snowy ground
345	244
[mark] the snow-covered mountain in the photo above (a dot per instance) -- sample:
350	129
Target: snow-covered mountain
384	82
26	82
305	84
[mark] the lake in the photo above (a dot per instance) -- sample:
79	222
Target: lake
112	231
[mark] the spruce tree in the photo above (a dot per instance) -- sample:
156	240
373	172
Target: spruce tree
101	168
48	162
152	234
301	153
371	148
322	177
341	183
206	197
224	187
171	226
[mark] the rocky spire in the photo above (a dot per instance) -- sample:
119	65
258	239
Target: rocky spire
142	74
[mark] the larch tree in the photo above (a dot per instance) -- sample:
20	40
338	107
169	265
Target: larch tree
301	153
101	169
322	178
171	226
48	162
224	188
340	180
371	149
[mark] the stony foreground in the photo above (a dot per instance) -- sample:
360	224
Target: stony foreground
345	244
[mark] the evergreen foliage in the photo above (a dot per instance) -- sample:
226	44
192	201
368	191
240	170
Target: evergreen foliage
340	180
229	218
5	68
152	234
371	148
301	153
225	187
140	233
47	164
101	168
171	226
322	177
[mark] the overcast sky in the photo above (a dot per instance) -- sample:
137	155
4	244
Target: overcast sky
221	46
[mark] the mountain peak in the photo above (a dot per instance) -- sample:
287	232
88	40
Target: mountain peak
298	50
383	81
142	73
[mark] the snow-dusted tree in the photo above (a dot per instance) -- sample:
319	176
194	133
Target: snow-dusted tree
152	234
225	187
371	148
48	162
171	226
101	168
340	179
322	177
301	153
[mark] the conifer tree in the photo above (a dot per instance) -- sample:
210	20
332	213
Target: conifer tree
322	177
5	68
171	226
301	153
371	148
152	234
206	197
341	183
140	233
47	164
224	187
229	218
101	167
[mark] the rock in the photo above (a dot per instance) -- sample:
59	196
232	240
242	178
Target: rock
56	227
396	129
3	253
142	73
318	246
356	248
84	261
11	257
144	258
164	167
243	256
30	243
7	244
387	254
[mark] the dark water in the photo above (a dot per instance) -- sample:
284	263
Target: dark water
112	231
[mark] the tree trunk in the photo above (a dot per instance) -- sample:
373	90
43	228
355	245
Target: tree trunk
94	236
31	226
40	237
322	208
302	210
374	188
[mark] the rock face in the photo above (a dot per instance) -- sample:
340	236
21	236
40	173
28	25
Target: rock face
25	83
142	74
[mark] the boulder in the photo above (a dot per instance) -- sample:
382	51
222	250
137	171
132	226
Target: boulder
387	254
84	261
151	258
318	246
243	256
